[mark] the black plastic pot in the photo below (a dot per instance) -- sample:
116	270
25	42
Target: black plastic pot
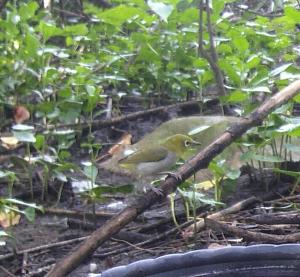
253	261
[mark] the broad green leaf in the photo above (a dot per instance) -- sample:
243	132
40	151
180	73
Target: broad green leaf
287	128
28	10
198	199
76	30
91	172
236	97
279	69
161	9
230	72
289	76
189	16
253	61
24	136
29	212
120	14
40	142
49	30
292	13
241	44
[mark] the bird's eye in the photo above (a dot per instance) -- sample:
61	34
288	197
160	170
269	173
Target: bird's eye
187	143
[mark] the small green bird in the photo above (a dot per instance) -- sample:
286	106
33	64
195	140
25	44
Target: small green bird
158	158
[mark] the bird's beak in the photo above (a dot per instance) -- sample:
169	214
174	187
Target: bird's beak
194	142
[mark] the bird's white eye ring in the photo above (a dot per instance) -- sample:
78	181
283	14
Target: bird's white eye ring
187	143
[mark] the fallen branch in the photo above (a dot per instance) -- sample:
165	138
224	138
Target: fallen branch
250	235
78	214
199	161
200	225
96	124
41	247
271	219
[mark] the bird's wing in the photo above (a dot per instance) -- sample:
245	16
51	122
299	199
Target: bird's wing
145	155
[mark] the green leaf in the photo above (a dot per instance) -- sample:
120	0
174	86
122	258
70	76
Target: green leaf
120	14
40	142
49	30
230	72
233	174
27	11
279	69
4	234
161	9
241	44
267	158
91	172
297	98
236	97
288	128
253	61
292	13
30	213
198	199
76	30
24	136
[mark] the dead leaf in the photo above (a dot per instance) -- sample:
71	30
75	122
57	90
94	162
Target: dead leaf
9	218
119	146
9	142
21	114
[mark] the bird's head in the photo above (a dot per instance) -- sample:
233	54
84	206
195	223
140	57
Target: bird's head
179	143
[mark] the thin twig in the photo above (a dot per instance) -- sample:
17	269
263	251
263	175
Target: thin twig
42	247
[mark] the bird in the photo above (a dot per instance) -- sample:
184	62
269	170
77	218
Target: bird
158	158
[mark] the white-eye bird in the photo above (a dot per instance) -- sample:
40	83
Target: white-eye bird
158	158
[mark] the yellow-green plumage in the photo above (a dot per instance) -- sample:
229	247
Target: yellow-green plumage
154	159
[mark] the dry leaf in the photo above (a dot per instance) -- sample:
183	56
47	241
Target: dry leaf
9	218
21	114
9	142
119	146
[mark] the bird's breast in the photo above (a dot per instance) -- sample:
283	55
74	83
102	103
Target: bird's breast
152	168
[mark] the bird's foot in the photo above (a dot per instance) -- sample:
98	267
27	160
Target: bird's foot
173	174
157	191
